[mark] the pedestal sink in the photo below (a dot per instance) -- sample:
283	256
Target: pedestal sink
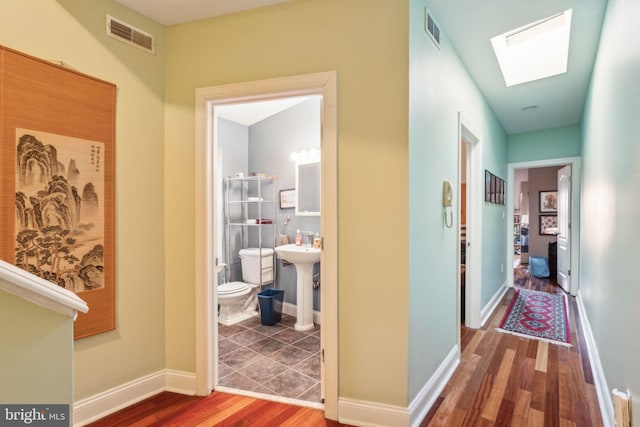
303	257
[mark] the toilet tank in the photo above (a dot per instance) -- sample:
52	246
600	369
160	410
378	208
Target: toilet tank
250	259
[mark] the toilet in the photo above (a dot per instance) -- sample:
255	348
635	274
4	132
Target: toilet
239	300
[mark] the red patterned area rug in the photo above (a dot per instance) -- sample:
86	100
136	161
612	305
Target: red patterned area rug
539	315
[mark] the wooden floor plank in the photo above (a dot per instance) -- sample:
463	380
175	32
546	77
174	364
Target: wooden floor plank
521	408
542	356
505	413
499	385
536	418
538	391
471	346
552	390
447	413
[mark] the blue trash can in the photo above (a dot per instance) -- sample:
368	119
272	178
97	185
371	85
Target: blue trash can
270	302
539	266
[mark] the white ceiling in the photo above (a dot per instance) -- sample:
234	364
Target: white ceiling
253	112
469	25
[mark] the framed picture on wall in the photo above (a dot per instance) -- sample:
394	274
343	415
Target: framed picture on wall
548	201
548	225
494	190
287	198
487	186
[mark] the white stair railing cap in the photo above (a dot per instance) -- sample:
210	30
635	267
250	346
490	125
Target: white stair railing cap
35	289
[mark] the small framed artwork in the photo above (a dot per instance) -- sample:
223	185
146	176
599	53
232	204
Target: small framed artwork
287	198
487	186
548	201
548	225
494	188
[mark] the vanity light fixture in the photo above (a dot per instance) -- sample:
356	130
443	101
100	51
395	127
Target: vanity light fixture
534	51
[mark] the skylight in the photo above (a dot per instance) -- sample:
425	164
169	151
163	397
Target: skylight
535	51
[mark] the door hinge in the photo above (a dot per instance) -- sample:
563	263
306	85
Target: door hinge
569	273
322	355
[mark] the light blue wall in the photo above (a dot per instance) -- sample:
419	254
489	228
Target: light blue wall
611	206
233	149
271	143
545	144
440	88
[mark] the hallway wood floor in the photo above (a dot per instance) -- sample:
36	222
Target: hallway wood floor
502	380
505	380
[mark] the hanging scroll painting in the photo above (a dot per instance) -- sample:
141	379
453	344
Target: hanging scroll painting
57	143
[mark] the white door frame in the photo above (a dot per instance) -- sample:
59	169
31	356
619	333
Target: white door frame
575	163
564	228
468	135
325	84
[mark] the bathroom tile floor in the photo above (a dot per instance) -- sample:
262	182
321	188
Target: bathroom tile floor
275	360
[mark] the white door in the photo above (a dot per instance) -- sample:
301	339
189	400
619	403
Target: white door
564	228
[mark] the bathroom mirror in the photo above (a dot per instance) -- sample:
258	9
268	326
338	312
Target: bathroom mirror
308	188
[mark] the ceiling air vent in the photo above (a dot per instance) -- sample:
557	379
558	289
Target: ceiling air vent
129	34
431	27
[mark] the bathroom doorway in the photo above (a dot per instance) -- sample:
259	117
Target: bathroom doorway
224	349
259	147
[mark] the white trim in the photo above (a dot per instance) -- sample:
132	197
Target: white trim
602	390
35	289
360	412
488	309
180	382
475	194
325	84
291	310
88	410
576	164
372	414
98	406
422	403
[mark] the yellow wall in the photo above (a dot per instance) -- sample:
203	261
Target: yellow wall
74	31
36	362
367	44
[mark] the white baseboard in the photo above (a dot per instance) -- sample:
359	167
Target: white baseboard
371	414
291	310
602	390
88	410
362	413
180	382
488	309
425	399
